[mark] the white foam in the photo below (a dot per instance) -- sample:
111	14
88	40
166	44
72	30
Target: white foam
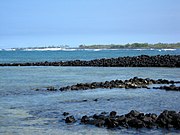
10	49
168	49
66	49
140	49
44	49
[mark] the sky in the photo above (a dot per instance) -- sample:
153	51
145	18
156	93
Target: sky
26	23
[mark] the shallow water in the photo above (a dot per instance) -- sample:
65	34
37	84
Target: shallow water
26	111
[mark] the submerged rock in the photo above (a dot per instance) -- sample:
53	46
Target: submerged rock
51	88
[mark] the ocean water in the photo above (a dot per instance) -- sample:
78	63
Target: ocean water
73	54
26	111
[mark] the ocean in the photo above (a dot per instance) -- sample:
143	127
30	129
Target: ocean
26	111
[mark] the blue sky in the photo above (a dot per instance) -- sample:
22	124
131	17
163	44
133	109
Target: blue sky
73	22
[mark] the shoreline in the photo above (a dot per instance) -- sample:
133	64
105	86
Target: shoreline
88	49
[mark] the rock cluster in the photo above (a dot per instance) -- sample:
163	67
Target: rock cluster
131	83
136	61
169	88
70	119
134	119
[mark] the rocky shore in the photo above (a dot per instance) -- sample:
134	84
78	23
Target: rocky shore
136	61
127	84
133	119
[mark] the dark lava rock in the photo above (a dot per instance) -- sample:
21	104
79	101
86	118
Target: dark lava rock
169	119
148	122
132	83
113	114
85	119
135	61
65	113
169	88
134	119
104	113
70	119
132	113
135	123
111	123
100	123
84	100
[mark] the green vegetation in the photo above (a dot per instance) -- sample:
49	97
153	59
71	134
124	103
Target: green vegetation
133	46
114	46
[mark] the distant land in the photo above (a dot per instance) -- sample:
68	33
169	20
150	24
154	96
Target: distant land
133	46
60	47
110	46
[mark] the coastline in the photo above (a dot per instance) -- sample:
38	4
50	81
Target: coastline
86	49
101	47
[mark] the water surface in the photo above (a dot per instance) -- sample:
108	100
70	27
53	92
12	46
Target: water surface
25	111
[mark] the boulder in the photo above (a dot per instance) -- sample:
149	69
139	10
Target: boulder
112	114
65	113
70	119
135	123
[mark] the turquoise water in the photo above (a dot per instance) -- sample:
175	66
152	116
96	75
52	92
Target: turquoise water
64	55
26	111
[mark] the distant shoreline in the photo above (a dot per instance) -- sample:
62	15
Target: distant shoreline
101	46
78	49
133	46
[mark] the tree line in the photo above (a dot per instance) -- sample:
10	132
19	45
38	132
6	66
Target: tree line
133	46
